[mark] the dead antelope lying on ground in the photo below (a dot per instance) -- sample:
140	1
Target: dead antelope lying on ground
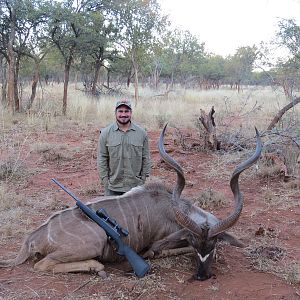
156	219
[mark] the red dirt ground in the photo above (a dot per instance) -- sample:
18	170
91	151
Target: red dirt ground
236	274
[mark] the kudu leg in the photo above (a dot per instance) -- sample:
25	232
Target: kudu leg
174	240
90	265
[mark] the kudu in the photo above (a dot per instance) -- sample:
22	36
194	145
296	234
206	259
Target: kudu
155	217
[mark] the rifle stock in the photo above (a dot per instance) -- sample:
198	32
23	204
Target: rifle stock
138	264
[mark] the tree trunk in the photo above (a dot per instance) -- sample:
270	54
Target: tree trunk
209	124
66	83
156	75
129	75
282	112
3	76
16	90
35	80
96	75
287	89
136	79
98	64
108	78
11	64
171	85
136	86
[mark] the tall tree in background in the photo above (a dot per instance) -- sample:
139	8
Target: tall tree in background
98	44
288	36
140	23
192	56
288	71
34	40
3	69
181	56
213	72
240	66
66	28
8	36
19	21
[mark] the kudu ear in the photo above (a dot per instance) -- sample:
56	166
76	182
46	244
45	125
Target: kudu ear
231	239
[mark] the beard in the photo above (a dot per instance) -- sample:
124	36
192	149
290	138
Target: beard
123	121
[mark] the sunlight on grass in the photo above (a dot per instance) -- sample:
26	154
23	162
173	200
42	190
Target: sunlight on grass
181	106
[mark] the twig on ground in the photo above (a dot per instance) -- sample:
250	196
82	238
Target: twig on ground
84	284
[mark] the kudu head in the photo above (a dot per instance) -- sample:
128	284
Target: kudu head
203	236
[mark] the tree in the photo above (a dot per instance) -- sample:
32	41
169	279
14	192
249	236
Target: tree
140	23
288	36
240	66
213	71
66	28
100	35
180	56
19	28
37	43
8	37
192	56
288	71
3	76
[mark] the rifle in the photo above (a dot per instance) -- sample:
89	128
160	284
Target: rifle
114	232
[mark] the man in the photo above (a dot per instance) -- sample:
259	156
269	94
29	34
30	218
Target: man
123	156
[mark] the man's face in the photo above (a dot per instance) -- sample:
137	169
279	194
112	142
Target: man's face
123	114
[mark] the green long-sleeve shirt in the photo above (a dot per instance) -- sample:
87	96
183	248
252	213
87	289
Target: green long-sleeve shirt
123	158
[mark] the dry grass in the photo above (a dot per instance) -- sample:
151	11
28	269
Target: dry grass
269	255
90	189
16	211
181	107
12	145
293	184
9	199
284	199
291	154
13	223
280	160
130	287
209	199
269	171
222	165
52	152
216	167
273	259
12	170
120	287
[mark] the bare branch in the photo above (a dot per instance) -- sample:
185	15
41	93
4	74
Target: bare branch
282	112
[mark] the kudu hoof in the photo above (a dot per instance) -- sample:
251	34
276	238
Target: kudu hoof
102	274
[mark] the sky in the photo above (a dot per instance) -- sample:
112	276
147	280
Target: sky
225	25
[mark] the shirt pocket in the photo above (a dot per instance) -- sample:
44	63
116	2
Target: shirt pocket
135	149
114	149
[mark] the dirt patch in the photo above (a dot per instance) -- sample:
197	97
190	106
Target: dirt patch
268	268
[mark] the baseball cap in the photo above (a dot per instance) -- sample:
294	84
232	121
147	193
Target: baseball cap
123	102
